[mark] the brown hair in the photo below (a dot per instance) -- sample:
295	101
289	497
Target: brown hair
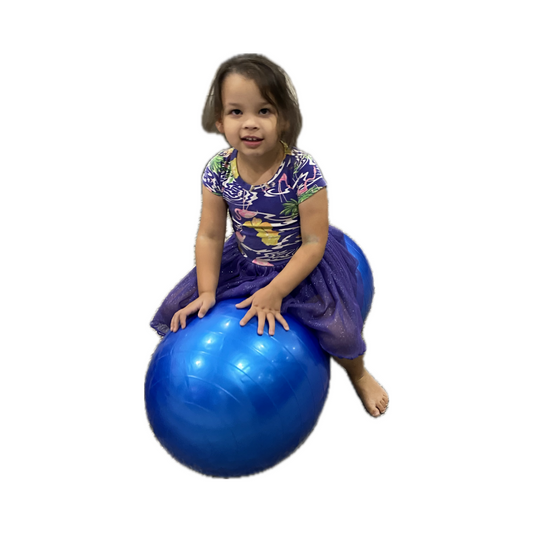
274	84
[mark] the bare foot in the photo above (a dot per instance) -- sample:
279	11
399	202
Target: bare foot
372	394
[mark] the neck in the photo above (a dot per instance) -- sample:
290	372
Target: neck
256	167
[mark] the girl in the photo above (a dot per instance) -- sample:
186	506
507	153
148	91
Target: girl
283	256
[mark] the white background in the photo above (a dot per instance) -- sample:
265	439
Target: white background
419	114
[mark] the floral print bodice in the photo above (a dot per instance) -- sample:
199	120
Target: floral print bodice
265	217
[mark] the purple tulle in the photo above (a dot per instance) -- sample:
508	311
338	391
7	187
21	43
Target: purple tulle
327	302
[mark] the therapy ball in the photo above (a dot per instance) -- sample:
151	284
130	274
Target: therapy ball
227	402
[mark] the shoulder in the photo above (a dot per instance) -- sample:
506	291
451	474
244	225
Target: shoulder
307	176
302	161
220	160
216	170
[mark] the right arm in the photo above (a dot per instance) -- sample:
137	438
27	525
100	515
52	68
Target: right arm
210	241
208	253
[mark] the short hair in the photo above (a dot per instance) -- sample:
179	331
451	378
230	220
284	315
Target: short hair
273	83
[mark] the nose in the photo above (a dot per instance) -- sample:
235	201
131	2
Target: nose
250	122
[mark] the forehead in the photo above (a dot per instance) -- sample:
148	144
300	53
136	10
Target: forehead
237	89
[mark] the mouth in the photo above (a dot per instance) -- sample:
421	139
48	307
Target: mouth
251	141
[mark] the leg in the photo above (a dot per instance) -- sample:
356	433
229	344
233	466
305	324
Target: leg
372	394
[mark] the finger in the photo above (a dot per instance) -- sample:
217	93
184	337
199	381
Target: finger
271	323
174	323
261	321
247	317
282	321
191	308
186	311
244	303
204	309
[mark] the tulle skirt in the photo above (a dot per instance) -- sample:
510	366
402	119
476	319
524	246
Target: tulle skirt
328	301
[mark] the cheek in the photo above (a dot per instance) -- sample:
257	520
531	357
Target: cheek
276	125
233	129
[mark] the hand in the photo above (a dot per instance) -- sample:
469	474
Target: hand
203	303
266	304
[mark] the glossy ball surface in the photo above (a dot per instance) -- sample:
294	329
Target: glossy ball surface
227	402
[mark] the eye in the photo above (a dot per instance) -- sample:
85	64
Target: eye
264	111
235	112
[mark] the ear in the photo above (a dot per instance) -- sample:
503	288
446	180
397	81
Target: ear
220	127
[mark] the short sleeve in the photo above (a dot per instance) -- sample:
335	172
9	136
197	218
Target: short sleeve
212	174
308	178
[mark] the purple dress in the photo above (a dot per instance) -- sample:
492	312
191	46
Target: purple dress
266	235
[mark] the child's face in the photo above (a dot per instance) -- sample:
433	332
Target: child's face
250	124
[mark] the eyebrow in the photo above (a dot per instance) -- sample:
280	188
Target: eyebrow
262	104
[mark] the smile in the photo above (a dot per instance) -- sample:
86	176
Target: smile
252	142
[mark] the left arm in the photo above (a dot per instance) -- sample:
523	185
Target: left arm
314	225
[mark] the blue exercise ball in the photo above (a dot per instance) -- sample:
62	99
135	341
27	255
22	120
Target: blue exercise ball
227	402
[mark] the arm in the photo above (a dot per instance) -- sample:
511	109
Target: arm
314	225
209	246
210	241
